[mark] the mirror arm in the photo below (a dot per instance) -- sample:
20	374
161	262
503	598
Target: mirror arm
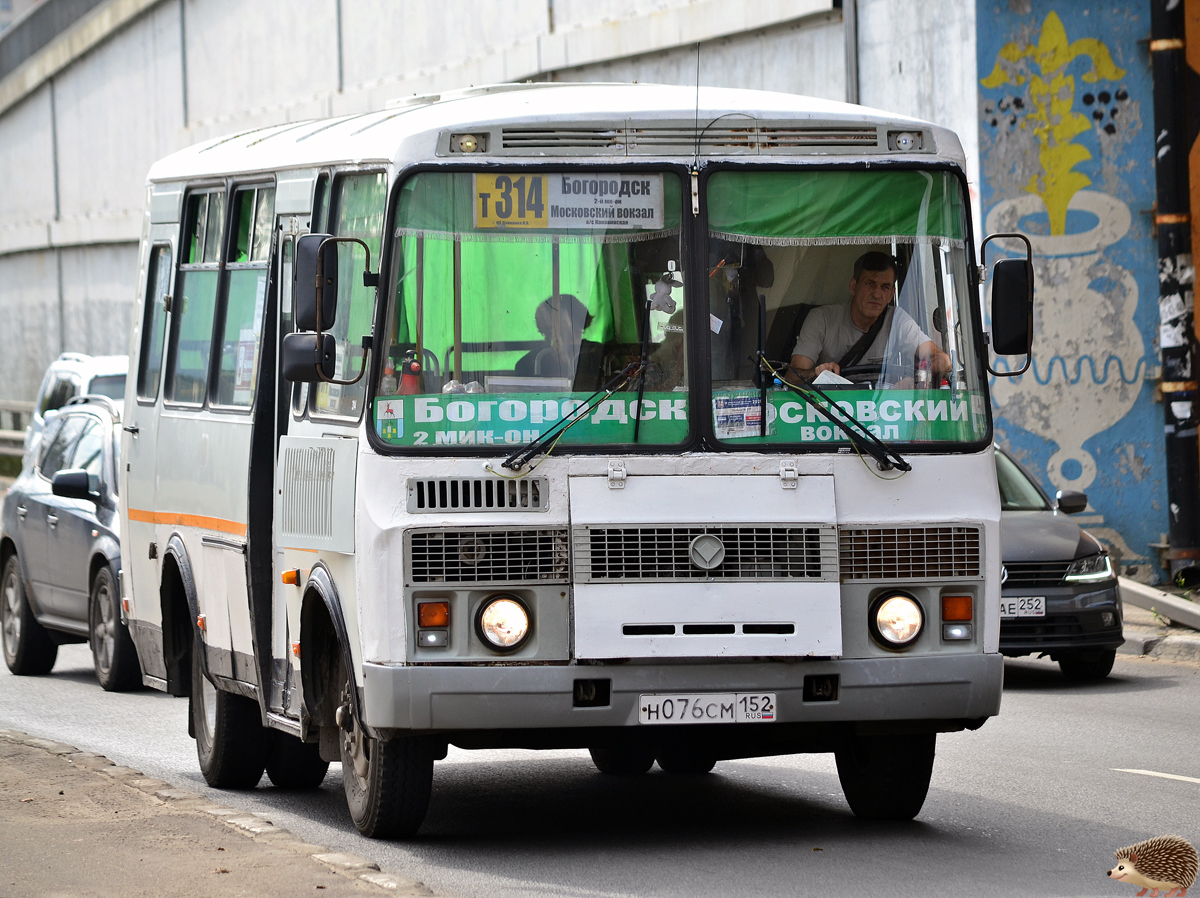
370	279
1029	259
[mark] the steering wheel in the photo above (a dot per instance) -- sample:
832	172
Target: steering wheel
862	373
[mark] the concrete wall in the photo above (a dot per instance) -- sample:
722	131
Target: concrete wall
83	117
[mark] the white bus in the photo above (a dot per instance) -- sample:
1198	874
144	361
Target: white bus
475	421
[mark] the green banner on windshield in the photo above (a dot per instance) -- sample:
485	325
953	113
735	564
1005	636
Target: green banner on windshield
473	419
796	208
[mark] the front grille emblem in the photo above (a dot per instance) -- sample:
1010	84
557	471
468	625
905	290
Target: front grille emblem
707	551
1003	575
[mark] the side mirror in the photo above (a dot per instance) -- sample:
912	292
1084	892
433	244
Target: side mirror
74	483
309	358
1071	502
1012	306
316	255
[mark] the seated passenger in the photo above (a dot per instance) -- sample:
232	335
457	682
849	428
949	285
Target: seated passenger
561	320
865	329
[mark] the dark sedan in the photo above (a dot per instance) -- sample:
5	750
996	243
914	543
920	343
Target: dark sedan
1058	592
60	551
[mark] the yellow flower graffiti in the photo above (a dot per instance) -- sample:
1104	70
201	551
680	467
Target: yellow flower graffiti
1051	96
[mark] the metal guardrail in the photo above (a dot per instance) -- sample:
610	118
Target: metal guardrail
14	418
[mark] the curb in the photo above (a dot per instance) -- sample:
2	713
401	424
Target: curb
1170	647
254	826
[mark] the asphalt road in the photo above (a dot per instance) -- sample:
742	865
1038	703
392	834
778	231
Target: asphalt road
1028	805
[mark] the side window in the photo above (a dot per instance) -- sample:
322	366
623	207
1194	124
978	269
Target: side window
59	451
195	305
246	294
64	388
154	322
357	209
88	453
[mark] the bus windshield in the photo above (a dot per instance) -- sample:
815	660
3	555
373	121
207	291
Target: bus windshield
856	280
518	296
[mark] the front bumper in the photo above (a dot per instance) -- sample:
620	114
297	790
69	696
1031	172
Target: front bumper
1073	621
448	698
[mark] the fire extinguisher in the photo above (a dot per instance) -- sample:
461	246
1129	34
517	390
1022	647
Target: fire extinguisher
410	374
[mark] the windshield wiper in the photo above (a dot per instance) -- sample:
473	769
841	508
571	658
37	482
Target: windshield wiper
863	439
522	456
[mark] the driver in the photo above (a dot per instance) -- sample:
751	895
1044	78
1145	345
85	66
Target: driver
842	335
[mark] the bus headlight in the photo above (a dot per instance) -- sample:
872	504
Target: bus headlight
503	623
896	621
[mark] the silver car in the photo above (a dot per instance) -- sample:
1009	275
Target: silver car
1058	591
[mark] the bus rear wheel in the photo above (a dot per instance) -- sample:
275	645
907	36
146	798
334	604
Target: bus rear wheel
292	764
231	742
387	781
886	777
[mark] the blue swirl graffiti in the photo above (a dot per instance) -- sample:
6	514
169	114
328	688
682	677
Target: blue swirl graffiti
1062	362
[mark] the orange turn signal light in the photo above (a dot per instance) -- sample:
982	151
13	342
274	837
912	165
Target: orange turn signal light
957	608
433	614
291	578
202	623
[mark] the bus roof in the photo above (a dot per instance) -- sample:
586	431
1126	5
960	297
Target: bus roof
556	119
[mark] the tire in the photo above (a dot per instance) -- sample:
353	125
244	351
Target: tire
1091	664
886	777
622	760
231	742
113	654
28	648
292	764
387	781
685	761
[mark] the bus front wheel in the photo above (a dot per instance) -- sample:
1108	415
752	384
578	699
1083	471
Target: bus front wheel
886	777
231	742
387	781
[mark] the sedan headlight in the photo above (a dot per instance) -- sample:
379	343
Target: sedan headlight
1094	567
896	621
503	623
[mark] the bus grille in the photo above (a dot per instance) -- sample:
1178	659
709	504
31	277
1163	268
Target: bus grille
1035	573
307	484
488	556
917	553
735	136
444	494
662	553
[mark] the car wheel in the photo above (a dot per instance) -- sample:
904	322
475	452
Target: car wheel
28	648
685	761
292	764
387	781
1095	664
886	777
622	760
113	654
231	742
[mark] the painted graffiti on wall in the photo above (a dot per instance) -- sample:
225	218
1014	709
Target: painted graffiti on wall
1068	161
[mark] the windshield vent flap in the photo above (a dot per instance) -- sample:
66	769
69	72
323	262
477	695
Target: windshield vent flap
488	556
560	138
915	553
476	494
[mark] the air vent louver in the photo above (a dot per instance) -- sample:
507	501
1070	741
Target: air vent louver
476	494
488	556
909	553
673	138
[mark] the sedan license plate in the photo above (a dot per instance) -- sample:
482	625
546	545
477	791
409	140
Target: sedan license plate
1023	606
707	707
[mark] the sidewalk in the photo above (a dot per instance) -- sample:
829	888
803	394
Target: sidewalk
72	823
1155	637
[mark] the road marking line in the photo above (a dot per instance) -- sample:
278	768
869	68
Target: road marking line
1166	776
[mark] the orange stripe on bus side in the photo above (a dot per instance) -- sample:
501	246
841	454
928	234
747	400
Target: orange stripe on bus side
187	520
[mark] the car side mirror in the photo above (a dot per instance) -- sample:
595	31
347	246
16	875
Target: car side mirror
1071	501
309	358
1012	306
75	483
316	282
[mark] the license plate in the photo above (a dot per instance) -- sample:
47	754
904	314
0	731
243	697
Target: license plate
707	707
1023	606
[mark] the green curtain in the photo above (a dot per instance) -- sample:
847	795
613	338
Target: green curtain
796	208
